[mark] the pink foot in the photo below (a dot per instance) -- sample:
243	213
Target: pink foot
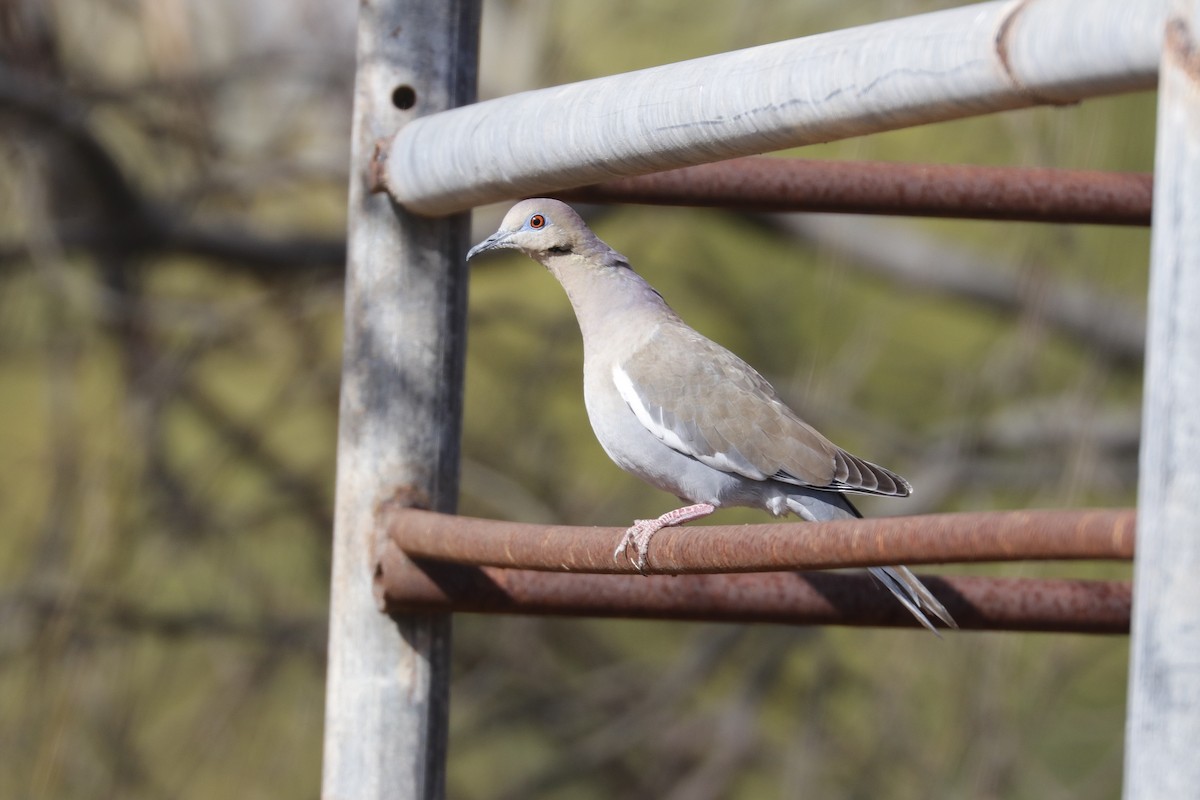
641	531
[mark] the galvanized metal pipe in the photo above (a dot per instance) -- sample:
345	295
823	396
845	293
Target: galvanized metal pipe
405	586
875	187
387	689
960	62
1163	726
928	539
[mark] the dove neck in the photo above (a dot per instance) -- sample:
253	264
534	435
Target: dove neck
609	298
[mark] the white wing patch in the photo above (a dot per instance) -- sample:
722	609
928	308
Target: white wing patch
631	397
733	462
652	420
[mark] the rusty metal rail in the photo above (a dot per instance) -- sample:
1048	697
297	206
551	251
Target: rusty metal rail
509	568
876	187
1106	534
803	598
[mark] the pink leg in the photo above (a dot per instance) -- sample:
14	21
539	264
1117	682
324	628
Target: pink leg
642	530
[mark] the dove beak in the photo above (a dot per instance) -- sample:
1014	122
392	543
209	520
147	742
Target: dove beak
499	240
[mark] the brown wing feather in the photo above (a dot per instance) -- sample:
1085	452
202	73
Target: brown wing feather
724	413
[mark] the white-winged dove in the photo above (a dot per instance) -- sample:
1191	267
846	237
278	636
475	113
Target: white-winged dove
683	413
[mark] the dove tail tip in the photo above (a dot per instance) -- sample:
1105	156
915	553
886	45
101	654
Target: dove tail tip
914	596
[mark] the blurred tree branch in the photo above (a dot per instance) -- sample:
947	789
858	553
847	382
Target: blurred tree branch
29	611
1105	325
131	223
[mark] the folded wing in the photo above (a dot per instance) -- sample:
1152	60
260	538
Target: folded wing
711	406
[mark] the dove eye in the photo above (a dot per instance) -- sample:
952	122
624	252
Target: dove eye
537	222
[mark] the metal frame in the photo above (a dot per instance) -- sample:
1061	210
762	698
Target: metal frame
399	428
877	187
1163	722
962	62
439	562
398	436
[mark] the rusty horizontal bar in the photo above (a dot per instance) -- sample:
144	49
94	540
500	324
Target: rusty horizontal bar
1013	604
1106	534
877	187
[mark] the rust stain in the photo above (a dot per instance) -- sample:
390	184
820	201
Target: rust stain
1180	46
406	496
379	586
1002	53
377	169
969	537
865	187
1017	604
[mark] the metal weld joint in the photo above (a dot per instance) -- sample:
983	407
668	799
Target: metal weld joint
405	496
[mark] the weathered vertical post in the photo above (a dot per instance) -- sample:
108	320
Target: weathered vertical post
1163	729
386	697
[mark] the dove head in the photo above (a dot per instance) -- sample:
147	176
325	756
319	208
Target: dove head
541	229
598	280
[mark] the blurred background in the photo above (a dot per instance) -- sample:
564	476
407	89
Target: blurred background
172	210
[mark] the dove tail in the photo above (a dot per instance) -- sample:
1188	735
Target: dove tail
907	588
913	595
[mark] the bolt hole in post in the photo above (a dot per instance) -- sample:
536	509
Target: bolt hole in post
404	97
